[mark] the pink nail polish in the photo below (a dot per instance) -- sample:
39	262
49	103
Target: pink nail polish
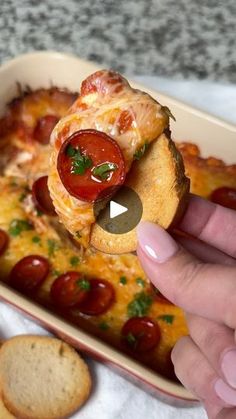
226	393
228	366
155	242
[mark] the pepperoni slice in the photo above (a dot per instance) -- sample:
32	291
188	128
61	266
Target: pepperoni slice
99	298
141	334
158	296
69	289
29	273
44	128
3	241
41	196
225	196
103	82
91	165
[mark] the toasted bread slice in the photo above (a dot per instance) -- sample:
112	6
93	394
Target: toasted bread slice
4	413
42	377
159	180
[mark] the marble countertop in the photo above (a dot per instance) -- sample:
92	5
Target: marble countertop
183	39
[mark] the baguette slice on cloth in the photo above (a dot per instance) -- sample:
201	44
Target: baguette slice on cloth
42	377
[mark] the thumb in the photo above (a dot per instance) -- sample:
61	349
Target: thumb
200	288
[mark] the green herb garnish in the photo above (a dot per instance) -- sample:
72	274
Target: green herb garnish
39	213
103	170
36	239
131	339
74	260
123	280
140	282
79	162
84	284
139	153
56	273
168	318
78	234
17	226
53	246
104	326
22	197
168	112
140	305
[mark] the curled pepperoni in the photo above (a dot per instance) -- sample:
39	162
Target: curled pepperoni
44	128
125	121
69	289
3	241
141	334
41	196
91	165
29	273
158	296
103	82
99	298
225	196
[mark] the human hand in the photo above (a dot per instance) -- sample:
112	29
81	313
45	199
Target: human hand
199	275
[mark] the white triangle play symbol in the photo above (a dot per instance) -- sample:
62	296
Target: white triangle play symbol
116	209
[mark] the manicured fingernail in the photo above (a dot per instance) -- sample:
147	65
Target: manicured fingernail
228	366
155	242
226	393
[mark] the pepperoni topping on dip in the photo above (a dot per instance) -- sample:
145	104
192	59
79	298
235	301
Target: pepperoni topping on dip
41	196
29	273
100	297
225	196
103	82
69	289
141	334
44	128
3	241
91	165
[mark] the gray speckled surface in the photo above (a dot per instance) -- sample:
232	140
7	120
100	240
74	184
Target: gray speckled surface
183	38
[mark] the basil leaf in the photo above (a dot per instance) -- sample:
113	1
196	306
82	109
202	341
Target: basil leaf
140	152
140	305
168	318
79	162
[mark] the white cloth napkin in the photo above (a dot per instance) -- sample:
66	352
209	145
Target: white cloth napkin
113	397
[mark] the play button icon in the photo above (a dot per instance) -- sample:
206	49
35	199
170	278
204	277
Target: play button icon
121	214
116	209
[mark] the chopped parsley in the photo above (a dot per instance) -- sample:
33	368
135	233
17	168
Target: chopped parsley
168	318
104	326
78	234
131	339
22	197
168	112
56	273
17	226
53	246
123	280
84	284
74	260
103	170
140	305
79	162
39	213
140	152
140	282
36	239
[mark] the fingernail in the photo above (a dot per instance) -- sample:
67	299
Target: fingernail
155	242
226	393
228	366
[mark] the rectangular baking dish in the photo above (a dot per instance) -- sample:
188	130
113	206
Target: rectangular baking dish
214	137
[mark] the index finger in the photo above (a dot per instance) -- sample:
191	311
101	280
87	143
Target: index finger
211	223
